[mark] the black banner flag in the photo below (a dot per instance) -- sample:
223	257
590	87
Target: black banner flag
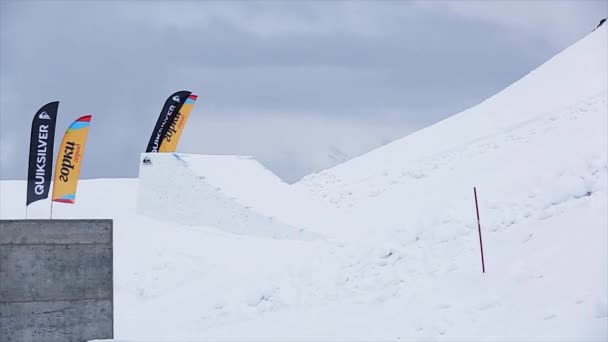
42	141
167	115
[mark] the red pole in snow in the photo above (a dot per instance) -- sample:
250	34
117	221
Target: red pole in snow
483	266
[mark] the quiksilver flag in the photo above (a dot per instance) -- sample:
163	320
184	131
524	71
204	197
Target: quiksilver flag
176	128
69	160
165	119
42	140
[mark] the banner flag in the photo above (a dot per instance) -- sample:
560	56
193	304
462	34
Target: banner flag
69	160
169	143
165	119
42	140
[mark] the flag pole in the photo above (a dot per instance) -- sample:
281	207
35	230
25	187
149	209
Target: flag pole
483	266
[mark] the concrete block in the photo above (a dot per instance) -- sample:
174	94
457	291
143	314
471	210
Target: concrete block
56	280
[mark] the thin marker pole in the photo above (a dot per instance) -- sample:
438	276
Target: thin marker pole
483	266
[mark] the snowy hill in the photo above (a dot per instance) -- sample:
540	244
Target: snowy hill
233	193
570	80
396	253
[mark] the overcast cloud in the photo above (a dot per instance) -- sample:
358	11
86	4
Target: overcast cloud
297	85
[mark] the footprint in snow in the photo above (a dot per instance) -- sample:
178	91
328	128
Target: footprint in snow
441	330
550	316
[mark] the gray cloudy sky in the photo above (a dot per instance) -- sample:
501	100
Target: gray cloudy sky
295	84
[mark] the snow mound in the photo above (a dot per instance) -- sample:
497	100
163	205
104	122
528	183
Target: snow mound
215	191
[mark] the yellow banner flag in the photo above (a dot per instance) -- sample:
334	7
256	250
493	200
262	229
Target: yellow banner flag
169	143
69	160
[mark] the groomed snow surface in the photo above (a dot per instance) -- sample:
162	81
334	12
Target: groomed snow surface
385	246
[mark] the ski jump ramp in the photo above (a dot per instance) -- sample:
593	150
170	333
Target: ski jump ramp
232	193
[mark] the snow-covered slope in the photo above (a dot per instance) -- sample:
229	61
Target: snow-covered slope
234	193
396	255
575	75
536	144
209	191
